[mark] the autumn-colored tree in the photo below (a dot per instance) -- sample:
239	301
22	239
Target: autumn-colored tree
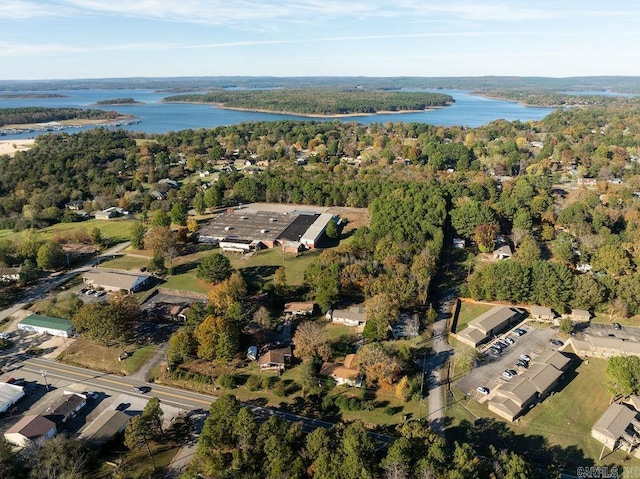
192	225
159	239
485	235
311	341
223	295
217	338
378	365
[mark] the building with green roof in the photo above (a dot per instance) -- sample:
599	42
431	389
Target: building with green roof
47	325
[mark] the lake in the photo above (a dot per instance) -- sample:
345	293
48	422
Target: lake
157	117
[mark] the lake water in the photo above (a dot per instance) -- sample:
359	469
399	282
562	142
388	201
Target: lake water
157	117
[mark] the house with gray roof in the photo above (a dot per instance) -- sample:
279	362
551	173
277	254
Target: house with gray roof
113	280
542	313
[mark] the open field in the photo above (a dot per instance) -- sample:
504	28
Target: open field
263	264
113	231
89	354
125	262
562	420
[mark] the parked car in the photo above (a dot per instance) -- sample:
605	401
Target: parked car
89	292
525	357
4	336
518	332
522	363
521	331
508	373
482	390
137	389
504	343
556	342
90	394
617	326
509	340
100	293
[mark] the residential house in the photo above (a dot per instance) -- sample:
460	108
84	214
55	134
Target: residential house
169	182
343	374
111	213
352	316
275	359
488	324
618	428
503	252
304	308
542	313
30	430
10	275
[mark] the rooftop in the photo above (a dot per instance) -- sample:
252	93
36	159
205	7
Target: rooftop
47	322
298	227
32	427
114	279
261	225
615	421
493	318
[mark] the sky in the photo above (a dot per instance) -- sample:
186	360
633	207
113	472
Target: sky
68	39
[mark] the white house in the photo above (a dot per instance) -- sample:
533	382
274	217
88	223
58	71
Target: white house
47	325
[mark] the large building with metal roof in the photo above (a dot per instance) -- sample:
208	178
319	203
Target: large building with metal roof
36	323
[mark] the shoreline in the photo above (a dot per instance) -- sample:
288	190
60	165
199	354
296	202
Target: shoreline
221	106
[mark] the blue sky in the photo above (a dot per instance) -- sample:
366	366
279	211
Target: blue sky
51	39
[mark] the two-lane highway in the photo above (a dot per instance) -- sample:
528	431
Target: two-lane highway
101	381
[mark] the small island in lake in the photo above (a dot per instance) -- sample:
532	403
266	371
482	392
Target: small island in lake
119	101
319	102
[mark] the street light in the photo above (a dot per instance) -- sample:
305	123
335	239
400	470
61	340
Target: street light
44	375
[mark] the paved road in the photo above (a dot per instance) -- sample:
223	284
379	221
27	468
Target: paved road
157	357
441	351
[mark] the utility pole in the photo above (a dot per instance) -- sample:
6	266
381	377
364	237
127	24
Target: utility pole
44	375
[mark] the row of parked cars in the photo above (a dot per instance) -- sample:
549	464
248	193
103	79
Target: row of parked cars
92	292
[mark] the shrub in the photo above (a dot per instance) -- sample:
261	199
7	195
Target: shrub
389	411
227	381
267	382
280	389
254	383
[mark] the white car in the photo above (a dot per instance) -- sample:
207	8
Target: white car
508	374
482	390
525	357
4	336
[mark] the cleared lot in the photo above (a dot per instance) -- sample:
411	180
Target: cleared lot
489	374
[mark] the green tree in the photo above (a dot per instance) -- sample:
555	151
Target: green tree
528	252
138	230
468	216
160	218
624	375
214	268
29	271
96	236
182	347
357	451
50	255
8	252
562	248
152	416
566	325
332	230
9	464
219	427
587	292
179	214
612	259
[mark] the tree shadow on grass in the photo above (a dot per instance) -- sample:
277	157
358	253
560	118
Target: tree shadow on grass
184	268
258	274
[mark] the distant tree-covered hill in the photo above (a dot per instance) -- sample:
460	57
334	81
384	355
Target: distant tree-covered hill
321	101
21	116
119	101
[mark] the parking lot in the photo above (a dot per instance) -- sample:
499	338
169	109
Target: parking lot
603	329
491	366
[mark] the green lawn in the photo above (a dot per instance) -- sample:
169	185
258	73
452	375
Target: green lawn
187	282
263	264
562	420
113	231
125	262
606	318
469	311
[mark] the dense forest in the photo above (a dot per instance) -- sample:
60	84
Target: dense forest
21	116
314	101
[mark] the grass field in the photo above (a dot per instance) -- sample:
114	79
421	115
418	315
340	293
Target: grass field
469	311
125	262
563	420
113	231
89	354
263	264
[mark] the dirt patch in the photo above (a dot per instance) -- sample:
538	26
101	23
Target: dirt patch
9	147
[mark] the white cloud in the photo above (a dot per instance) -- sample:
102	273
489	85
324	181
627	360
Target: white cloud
20	9
51	49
